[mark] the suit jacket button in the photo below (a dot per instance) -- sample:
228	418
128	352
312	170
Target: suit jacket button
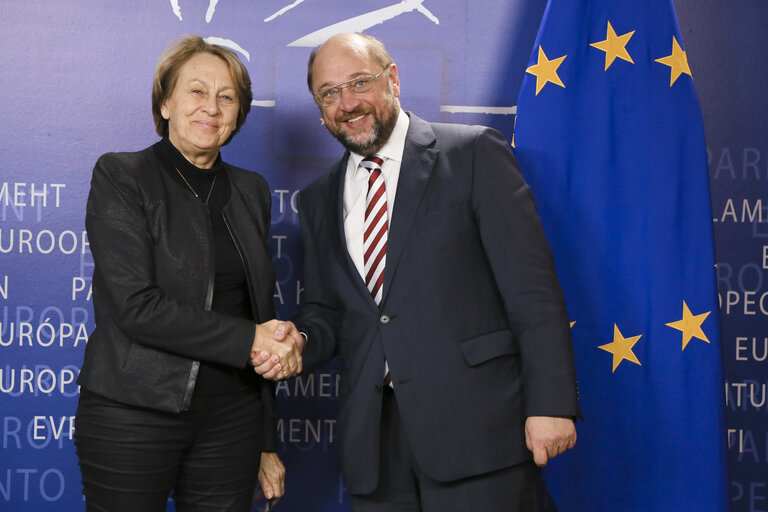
384	319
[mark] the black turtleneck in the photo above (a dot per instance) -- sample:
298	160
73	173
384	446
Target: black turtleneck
230	288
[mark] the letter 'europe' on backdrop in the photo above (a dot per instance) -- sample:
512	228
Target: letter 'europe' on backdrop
610	138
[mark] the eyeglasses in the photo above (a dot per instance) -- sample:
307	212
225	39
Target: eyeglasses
359	85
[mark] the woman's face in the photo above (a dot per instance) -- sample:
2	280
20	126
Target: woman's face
202	109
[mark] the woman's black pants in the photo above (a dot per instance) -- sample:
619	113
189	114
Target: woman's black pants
207	458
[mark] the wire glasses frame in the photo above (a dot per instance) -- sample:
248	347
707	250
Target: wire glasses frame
359	85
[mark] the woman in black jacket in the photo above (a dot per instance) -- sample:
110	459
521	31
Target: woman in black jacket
182	289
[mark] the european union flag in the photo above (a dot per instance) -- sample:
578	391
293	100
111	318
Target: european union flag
609	136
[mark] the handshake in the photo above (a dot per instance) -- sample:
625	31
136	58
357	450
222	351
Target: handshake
276	350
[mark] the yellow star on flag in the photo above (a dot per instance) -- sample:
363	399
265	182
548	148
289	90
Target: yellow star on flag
690	325
545	70
614	46
678	62
621	348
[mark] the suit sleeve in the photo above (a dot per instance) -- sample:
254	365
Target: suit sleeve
524	270
320	315
122	249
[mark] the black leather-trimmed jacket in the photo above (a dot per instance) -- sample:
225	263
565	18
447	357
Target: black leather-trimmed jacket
152	245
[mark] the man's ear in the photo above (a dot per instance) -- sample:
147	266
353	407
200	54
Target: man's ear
394	80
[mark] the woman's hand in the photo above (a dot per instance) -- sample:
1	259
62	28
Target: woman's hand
276	351
272	477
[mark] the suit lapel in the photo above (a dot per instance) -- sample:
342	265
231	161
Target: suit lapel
419	158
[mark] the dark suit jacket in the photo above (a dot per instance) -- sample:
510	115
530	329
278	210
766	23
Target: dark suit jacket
472	322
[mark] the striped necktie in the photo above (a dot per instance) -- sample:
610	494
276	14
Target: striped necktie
376	224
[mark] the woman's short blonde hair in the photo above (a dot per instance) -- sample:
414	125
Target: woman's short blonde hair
167	74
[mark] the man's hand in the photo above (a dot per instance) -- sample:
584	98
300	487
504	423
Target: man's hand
272	477
548	436
276	351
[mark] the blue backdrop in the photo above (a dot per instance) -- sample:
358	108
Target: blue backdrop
76	79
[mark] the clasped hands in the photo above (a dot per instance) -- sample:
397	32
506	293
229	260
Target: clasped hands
276	350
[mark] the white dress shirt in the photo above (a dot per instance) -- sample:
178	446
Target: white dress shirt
356	188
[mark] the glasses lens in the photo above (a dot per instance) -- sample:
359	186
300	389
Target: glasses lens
362	85
329	96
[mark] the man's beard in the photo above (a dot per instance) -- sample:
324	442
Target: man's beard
378	136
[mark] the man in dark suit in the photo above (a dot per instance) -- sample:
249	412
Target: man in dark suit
428	273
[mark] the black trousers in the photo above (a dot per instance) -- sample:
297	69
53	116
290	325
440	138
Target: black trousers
403	487
133	458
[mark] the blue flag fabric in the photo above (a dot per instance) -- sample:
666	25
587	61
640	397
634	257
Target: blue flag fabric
609	136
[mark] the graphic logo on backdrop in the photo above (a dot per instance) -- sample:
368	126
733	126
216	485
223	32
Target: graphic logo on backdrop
355	24
359	23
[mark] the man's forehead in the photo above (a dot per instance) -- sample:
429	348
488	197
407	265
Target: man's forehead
337	63
346	50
